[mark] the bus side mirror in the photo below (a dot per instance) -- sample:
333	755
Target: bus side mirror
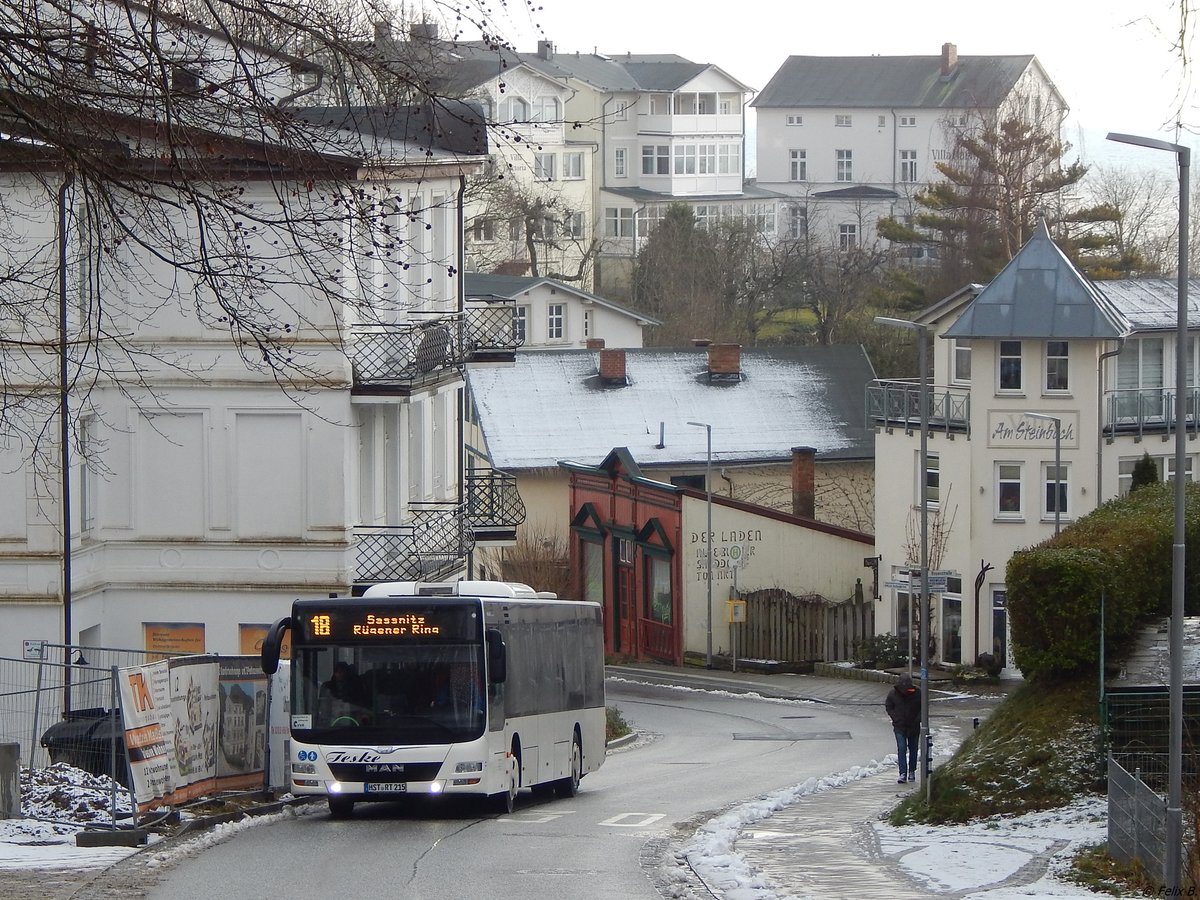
496	657
272	644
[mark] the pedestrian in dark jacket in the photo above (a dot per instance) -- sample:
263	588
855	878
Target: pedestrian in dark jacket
903	707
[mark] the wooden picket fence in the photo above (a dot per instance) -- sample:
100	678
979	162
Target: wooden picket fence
785	627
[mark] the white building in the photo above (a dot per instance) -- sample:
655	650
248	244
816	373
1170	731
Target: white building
851	139
1040	338
209	490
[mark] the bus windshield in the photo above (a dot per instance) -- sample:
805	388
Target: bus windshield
376	694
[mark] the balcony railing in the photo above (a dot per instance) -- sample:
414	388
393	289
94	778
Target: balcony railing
408	353
434	545
489	333
493	504
1149	410
897	403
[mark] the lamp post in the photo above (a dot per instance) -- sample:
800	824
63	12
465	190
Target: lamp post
1172	863
708	539
923	403
1057	464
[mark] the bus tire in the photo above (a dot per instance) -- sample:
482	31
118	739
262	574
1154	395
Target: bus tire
505	801
569	786
341	807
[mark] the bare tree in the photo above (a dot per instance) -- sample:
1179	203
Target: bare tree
175	164
1146	227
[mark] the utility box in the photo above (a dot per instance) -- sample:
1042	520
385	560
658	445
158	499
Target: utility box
10	781
737	611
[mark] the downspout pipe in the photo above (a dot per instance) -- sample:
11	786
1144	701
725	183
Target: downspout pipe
1100	417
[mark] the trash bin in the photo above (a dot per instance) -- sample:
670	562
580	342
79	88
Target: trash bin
84	739
10	781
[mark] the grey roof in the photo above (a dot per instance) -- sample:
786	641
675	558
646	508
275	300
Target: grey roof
456	126
477	284
1040	294
550	406
858	192
904	82
1151	304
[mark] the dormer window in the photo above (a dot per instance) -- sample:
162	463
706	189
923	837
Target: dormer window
514	109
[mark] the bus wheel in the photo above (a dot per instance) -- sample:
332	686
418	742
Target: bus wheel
569	786
506	800
341	807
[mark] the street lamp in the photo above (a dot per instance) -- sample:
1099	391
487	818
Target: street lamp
709	537
1057	464
923	403
1172	863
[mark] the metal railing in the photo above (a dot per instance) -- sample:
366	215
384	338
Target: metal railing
404	354
1149	410
489	330
492	500
897	402
432	546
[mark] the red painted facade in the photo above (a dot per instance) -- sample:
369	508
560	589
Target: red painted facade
635	525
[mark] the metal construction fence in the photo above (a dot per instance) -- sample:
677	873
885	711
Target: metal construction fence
1137	820
38	691
1138	731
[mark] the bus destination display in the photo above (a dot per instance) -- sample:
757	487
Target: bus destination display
338	624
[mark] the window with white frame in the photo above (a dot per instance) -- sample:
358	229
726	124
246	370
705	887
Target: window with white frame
729	159
620	163
483	230
933	479
728	104
514	109
520	324
797	220
908	166
660	104
618	221
516	229
798	165
1010	366
1164	470
555	321
1056	366
794	120
908	121
845	165
1055	490
544	229
546	110
543	166
1009	499
847	236
881	121
962	360
685	159
621	112
572	225
1140	374
843	120
656	159
572	166
587	323
87	449
706	159
1169	468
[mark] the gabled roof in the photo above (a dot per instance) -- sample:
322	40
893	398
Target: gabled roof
902	82
1040	294
858	192
509	287
550	405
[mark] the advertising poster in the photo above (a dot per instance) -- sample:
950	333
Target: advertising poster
195	713
279	715
243	723
173	638
146	718
250	639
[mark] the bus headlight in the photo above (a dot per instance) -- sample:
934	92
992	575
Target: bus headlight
468	767
304	768
435	787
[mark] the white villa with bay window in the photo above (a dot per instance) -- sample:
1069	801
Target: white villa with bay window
1039	357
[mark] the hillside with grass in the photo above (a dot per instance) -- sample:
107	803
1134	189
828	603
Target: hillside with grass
1038	750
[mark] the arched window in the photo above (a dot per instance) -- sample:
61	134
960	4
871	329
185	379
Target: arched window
514	109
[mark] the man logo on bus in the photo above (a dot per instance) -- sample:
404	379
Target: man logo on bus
142	700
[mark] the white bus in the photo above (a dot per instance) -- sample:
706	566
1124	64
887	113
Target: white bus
475	687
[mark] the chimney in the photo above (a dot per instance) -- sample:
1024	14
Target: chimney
949	59
423	31
804	482
595	343
725	361
383	33
612	367
545	50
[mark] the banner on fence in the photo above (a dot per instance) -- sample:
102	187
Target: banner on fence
193	725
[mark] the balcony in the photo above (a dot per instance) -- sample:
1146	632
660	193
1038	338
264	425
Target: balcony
494	506
489	335
432	547
397	358
897	404
1148	411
